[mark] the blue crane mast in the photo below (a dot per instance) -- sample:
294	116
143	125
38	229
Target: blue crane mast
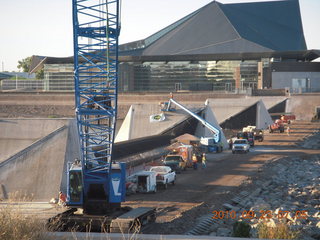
96	183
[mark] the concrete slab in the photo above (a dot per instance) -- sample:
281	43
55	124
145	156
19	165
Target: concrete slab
125	133
226	109
303	106
37	171
17	134
270	102
263	118
138	121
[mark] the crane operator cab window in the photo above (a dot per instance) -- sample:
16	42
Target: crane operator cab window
75	185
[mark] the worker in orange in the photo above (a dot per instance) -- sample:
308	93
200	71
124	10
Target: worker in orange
62	199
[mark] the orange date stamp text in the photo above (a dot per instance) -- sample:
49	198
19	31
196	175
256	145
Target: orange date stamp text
261	214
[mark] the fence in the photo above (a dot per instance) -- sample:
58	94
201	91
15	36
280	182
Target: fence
22	85
37	85
67	84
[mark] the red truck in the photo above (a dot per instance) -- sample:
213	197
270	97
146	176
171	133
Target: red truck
288	118
276	126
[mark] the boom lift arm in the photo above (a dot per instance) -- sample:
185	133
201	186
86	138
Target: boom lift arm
214	130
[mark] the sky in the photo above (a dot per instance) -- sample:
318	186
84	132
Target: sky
44	27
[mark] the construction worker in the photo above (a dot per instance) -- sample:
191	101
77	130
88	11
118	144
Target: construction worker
204	161
230	143
194	161
62	199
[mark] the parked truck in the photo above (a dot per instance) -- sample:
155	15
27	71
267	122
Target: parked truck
257	133
164	175
246	135
184	151
175	162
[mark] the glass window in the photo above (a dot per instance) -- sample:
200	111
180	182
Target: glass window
75	186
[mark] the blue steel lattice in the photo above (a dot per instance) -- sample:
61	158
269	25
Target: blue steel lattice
96	31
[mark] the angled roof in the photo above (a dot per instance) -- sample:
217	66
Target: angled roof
241	31
276	25
228	28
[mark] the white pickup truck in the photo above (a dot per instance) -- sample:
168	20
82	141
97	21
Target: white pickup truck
165	175
240	145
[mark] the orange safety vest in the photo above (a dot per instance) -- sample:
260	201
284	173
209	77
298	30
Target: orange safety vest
194	158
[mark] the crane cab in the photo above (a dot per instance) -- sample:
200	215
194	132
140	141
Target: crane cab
100	194
74	186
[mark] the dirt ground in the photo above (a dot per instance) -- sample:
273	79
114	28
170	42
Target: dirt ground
199	192
196	192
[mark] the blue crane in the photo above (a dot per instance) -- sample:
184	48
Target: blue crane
95	182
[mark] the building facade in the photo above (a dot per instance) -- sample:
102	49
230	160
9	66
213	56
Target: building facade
219	47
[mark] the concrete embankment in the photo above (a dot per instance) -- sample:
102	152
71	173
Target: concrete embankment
17	134
36	171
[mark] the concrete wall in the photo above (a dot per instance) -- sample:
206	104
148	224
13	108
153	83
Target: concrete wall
37	170
17	134
284	79
303	106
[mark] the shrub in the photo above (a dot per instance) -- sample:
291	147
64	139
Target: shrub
241	229
15	226
280	231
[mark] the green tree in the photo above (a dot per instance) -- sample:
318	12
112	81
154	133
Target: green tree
24	64
40	74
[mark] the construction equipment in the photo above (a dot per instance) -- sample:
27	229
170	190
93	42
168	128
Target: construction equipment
247	135
183	150
257	133
288	118
210	145
276	126
96	184
216	132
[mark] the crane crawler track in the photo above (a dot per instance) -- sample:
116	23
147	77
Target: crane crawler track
125	220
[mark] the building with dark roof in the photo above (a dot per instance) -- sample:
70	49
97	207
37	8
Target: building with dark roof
220	47
229	28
